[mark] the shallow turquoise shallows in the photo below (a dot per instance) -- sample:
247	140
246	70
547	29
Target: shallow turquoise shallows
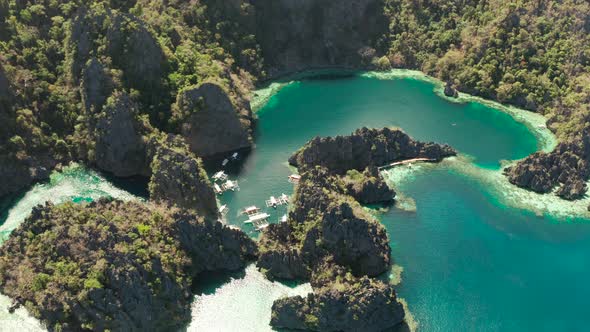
470	263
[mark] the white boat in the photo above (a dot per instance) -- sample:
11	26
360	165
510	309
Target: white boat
224	162
284	199
251	210
219	176
231	185
272	202
217	189
261	227
235	156
223	210
259	217
294	178
283	218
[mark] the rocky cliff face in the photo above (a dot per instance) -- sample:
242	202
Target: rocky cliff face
178	177
567	167
366	148
96	86
17	168
340	302
127	42
297	35
212	124
331	240
324	221
115	266
368	187
120	146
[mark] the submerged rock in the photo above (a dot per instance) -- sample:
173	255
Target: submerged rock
178	177
210	122
116	266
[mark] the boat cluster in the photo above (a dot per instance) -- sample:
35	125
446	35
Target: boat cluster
222	183
256	216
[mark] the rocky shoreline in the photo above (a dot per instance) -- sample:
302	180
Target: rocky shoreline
330	240
567	167
112	265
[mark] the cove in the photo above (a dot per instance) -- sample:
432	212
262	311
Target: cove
470	262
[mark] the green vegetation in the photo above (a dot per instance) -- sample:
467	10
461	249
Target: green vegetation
63	59
533	54
77	265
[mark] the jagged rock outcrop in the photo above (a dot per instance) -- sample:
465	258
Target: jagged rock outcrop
368	187
340	302
110	265
297	35
178	177
120	146
363	246
366	148
330	239
450	90
326	218
16	174
324	221
130	46
95	87
211	124
568	166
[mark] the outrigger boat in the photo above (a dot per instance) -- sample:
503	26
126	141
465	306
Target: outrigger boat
217	189
272	202
251	210
223	210
257	218
231	185
294	178
275	202
219	176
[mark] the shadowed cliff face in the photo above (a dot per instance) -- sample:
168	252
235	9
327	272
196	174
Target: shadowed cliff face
5	103
297	35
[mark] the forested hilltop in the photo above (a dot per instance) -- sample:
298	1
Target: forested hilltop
69	69
534	54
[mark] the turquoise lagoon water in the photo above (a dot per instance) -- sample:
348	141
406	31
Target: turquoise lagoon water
470	261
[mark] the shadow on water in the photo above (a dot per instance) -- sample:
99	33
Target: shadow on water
135	185
234	166
6	203
207	283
